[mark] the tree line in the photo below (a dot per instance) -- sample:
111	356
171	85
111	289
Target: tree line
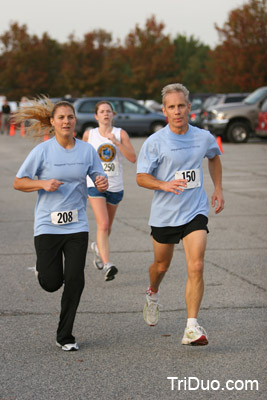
139	67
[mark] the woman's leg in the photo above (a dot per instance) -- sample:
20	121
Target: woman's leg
74	249
49	264
100	210
111	215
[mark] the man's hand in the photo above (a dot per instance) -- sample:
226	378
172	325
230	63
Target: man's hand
101	183
217	197
175	186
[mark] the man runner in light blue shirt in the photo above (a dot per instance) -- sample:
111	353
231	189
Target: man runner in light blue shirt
170	163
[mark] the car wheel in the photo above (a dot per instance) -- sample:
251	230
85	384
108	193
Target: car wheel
238	132
157	126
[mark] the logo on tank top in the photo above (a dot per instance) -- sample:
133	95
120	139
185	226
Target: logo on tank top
106	152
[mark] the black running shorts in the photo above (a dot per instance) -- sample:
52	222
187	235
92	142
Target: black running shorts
173	234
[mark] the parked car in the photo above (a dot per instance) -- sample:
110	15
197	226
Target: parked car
261	129
151	104
197	100
57	99
194	117
197	115
135	118
235	122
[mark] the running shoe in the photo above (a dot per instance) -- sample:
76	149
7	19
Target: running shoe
98	263
110	271
68	347
151	309
195	336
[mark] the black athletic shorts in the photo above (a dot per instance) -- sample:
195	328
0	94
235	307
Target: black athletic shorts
173	234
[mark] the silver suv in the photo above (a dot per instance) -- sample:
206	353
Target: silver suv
235	122
130	115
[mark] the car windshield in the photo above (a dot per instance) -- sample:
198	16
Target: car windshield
264	106
256	96
196	103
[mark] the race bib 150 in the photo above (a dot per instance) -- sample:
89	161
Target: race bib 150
191	175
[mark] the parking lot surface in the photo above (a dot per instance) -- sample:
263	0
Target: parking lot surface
120	357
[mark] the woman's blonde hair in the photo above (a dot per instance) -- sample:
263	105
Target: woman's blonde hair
38	114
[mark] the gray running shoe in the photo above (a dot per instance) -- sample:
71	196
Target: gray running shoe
110	271
98	263
151	309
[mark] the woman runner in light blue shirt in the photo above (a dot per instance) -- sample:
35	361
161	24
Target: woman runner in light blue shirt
60	165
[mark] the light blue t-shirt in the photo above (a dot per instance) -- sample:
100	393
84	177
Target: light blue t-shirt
164	153
49	160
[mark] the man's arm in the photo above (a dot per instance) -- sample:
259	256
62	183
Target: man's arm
150	182
215	170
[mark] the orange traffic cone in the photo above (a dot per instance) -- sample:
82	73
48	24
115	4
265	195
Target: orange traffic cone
12	130
219	143
22	130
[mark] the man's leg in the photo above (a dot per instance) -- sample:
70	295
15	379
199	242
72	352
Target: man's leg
194	247
163	253
162	258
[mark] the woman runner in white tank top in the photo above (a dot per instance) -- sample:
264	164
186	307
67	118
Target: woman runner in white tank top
112	145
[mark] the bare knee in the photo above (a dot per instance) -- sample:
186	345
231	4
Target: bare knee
104	226
195	269
162	267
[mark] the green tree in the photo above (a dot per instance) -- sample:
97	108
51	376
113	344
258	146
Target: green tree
148	61
239	62
191	56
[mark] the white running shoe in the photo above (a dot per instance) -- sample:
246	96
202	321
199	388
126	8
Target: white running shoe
68	347
110	271
151	309
98	263
195	336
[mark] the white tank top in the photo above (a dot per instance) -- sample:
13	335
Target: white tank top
110	157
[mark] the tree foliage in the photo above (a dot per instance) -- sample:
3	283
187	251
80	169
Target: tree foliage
139	67
29	65
191	57
239	62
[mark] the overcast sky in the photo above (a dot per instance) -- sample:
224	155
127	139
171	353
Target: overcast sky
60	18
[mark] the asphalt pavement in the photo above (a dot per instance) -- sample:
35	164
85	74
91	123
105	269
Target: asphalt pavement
120	357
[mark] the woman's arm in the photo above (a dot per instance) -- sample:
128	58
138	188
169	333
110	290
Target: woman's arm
125	146
33	185
85	136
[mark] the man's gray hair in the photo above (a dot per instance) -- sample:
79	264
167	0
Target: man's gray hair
175	87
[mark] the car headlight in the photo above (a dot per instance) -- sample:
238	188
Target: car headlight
218	115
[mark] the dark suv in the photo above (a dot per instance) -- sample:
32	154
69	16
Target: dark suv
130	115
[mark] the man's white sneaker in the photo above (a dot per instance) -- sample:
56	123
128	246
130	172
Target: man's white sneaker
151	309
195	336
110	271
68	347
98	263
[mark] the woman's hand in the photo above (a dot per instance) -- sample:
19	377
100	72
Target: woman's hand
101	183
